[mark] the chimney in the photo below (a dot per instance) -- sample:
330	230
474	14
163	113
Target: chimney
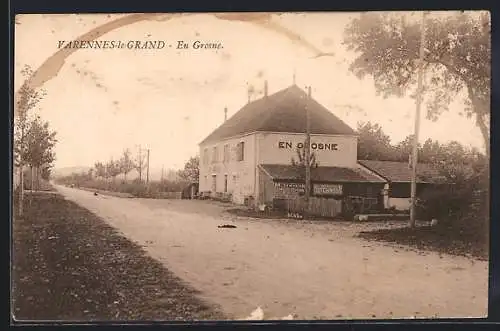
309	92
225	114
265	88
249	94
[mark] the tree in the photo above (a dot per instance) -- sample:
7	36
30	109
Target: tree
40	141
431	152
300	162
191	171
126	163
100	170
404	149
457	59
113	169
373	143
46	171
140	163
28	99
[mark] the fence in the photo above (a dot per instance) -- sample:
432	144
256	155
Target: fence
318	206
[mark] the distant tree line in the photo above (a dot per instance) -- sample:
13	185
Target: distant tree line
105	176
375	144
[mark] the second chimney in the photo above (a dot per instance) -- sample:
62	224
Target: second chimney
225	114
309	92
265	88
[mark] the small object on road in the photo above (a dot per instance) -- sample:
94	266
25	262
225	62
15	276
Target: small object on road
95	193
227	226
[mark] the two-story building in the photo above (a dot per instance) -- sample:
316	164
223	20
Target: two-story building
249	156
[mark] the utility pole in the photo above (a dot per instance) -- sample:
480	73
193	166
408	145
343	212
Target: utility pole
308	152
162	167
147	172
139	164
417	124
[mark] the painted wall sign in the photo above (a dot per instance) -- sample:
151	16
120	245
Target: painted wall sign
285	189
314	146
327	189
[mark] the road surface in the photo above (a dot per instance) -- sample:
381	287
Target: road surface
313	272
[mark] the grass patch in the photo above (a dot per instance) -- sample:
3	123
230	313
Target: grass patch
442	238
68	264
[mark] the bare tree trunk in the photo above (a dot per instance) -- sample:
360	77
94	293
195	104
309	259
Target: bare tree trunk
32	179
480	108
485	133
37	178
21	190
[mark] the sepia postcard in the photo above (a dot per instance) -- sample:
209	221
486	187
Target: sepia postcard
251	166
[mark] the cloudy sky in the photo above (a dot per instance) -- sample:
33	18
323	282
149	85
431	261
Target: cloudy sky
168	100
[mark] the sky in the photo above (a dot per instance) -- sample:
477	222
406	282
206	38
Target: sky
168	100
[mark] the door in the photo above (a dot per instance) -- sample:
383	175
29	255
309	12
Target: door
214	183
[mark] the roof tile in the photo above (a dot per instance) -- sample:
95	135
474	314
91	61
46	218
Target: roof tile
283	111
320	174
400	171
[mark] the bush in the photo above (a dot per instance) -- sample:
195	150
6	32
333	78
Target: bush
135	187
455	202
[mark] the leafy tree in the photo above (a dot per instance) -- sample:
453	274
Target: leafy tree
373	143
126	163
27	100
113	169
457	59
46	171
431	152
100	169
404	149
40	142
191	171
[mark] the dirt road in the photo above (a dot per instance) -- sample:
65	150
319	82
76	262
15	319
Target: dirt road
312	271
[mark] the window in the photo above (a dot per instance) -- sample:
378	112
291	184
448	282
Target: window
226	153
214	183
214	155
225	183
240	151
205	156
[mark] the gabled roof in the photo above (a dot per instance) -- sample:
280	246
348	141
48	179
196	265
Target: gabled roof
320	174
283	111
400	171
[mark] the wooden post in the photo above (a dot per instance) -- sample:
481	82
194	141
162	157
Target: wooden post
308	153
147	171
417	125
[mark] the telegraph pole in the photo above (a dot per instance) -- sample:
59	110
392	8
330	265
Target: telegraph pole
147	172
139	164
417	124
308	152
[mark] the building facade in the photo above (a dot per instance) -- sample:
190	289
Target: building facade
254	157
398	177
